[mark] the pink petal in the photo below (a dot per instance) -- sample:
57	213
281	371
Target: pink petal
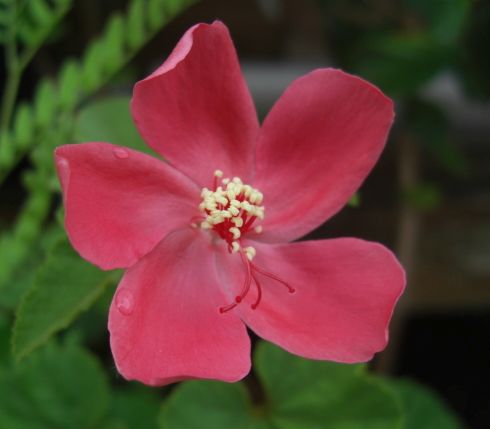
120	203
165	322
196	109
316	147
345	292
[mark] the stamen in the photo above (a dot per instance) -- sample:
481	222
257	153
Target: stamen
259	293
245	287
274	277
228	307
230	210
218	174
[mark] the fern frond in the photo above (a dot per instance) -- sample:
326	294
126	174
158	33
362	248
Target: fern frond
53	110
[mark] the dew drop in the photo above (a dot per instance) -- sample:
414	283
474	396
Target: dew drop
125	302
120	153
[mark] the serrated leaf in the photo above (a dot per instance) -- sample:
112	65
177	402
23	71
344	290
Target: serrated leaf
422	408
24	277
64	286
58	387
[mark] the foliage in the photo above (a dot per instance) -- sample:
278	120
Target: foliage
64	286
298	393
48	122
44	392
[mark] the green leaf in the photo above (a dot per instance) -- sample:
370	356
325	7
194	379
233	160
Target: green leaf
298	394
92	66
45	103
24	127
422	408
4	342
109	120
114	41
136	407
56	388
136	23
40	11
69	84
23	278
64	286
313	394
444	18
401	64
208	404
36	21
155	15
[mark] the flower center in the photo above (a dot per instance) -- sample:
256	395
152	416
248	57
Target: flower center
230	210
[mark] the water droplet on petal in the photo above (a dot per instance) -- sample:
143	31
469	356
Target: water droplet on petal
125	301
120	153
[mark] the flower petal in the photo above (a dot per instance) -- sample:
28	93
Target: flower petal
165	322
316	147
345	292
196	109
120	203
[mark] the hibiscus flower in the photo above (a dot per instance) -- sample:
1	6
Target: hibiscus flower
205	237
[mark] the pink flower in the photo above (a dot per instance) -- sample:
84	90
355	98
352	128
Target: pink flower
205	237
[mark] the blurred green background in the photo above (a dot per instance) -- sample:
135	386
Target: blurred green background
69	79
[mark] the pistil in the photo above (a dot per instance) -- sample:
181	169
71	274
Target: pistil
231	210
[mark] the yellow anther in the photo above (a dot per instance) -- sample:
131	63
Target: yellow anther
231	194
230	207
222	200
238	221
250	252
233	210
236	232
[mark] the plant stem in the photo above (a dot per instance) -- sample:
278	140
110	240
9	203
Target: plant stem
10	95
13	72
